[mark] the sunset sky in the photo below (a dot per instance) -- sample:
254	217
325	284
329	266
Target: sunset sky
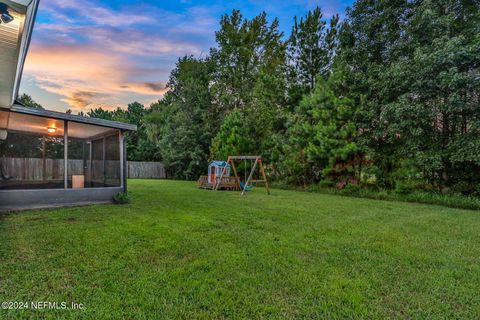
109	53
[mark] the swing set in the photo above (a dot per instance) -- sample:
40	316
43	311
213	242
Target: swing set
247	181
226	182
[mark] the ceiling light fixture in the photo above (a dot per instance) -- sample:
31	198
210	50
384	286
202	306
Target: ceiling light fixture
5	16
51	130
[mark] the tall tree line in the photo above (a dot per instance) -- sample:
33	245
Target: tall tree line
387	96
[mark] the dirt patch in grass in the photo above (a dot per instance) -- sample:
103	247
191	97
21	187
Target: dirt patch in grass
71	220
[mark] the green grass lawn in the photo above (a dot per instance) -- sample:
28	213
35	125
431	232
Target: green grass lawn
180	252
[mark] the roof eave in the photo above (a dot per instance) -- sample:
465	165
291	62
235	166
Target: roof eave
31	7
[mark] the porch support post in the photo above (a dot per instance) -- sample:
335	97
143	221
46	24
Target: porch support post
104	143
44	165
90	175
65	154
122	166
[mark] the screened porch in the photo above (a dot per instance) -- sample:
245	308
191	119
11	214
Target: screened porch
50	150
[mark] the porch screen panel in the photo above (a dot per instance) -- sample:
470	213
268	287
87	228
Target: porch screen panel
31	159
97	165
105	163
79	166
112	160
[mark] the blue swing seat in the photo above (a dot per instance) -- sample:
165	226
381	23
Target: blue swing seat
242	186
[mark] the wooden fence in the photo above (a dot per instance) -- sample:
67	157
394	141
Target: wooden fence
32	169
146	170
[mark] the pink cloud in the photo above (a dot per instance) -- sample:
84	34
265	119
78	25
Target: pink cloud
90	54
85	75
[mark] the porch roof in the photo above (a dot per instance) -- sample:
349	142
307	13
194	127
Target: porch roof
19	118
72	117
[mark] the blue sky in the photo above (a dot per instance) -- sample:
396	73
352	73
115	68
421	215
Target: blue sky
87	53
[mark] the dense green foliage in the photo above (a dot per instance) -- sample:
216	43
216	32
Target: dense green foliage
387	98
321	137
182	125
420	79
177	252
232	137
28	102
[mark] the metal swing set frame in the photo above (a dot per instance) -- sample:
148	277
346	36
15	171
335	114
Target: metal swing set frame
258	162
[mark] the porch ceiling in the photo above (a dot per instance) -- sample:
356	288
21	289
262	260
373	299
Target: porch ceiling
39	125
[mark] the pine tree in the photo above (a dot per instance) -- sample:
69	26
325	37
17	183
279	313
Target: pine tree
232	139
322	138
311	50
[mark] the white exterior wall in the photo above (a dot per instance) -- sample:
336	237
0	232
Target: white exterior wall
14	43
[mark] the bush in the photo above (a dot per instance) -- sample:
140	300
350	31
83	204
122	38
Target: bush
326	183
121	198
461	187
283	184
404	187
350	189
453	201
312	188
418	196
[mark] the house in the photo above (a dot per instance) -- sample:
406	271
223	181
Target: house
50	158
